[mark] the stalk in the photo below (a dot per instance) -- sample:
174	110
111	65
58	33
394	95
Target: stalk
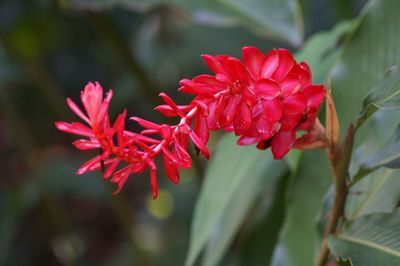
339	160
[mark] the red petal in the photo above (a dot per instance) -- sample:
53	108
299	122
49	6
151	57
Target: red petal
266	128
168	111
215	112
290	121
120	177
266	88
171	170
315	95
229	112
191	87
290	85
118	127
235	69
153	182
209	80
84	144
110	170
252	58
309	121
269	65
272	109
77	110
199	144
212	118
244	140
214	63
91	165
185	160
294	104
242	120
282	142
201	128
104	108
75	128
286	62
304	73
91	98
171	103
145	123
153	177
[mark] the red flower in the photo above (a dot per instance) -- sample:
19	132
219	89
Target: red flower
264	99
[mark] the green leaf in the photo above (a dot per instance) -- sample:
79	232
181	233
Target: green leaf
369	52
385	95
377	192
299	236
366	56
370	240
322	50
342	262
388	156
235	178
272	18
260	242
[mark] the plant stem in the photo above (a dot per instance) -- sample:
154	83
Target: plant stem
340	161
336	212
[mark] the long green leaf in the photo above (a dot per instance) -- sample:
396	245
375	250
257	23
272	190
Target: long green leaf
272	18
259	243
385	95
321	51
388	156
367	55
299	236
235	177
377	192
370	240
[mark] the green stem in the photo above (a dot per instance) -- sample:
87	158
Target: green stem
340	161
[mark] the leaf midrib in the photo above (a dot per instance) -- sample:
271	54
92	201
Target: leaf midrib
370	244
368	197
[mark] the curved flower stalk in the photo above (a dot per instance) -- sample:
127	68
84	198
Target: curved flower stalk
265	99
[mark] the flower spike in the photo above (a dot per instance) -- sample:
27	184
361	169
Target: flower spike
264	99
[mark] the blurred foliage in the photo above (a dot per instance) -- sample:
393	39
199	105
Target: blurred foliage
248	210
370	240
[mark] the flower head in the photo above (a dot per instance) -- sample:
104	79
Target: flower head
265	99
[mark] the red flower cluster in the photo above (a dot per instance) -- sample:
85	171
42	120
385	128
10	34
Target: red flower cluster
265	99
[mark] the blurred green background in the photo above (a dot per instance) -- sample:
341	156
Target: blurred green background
49	50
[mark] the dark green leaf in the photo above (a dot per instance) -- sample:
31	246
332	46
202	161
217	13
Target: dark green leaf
235	177
261	240
322	51
377	192
388	156
299	236
385	95
370	240
273	18
342	262
368	54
